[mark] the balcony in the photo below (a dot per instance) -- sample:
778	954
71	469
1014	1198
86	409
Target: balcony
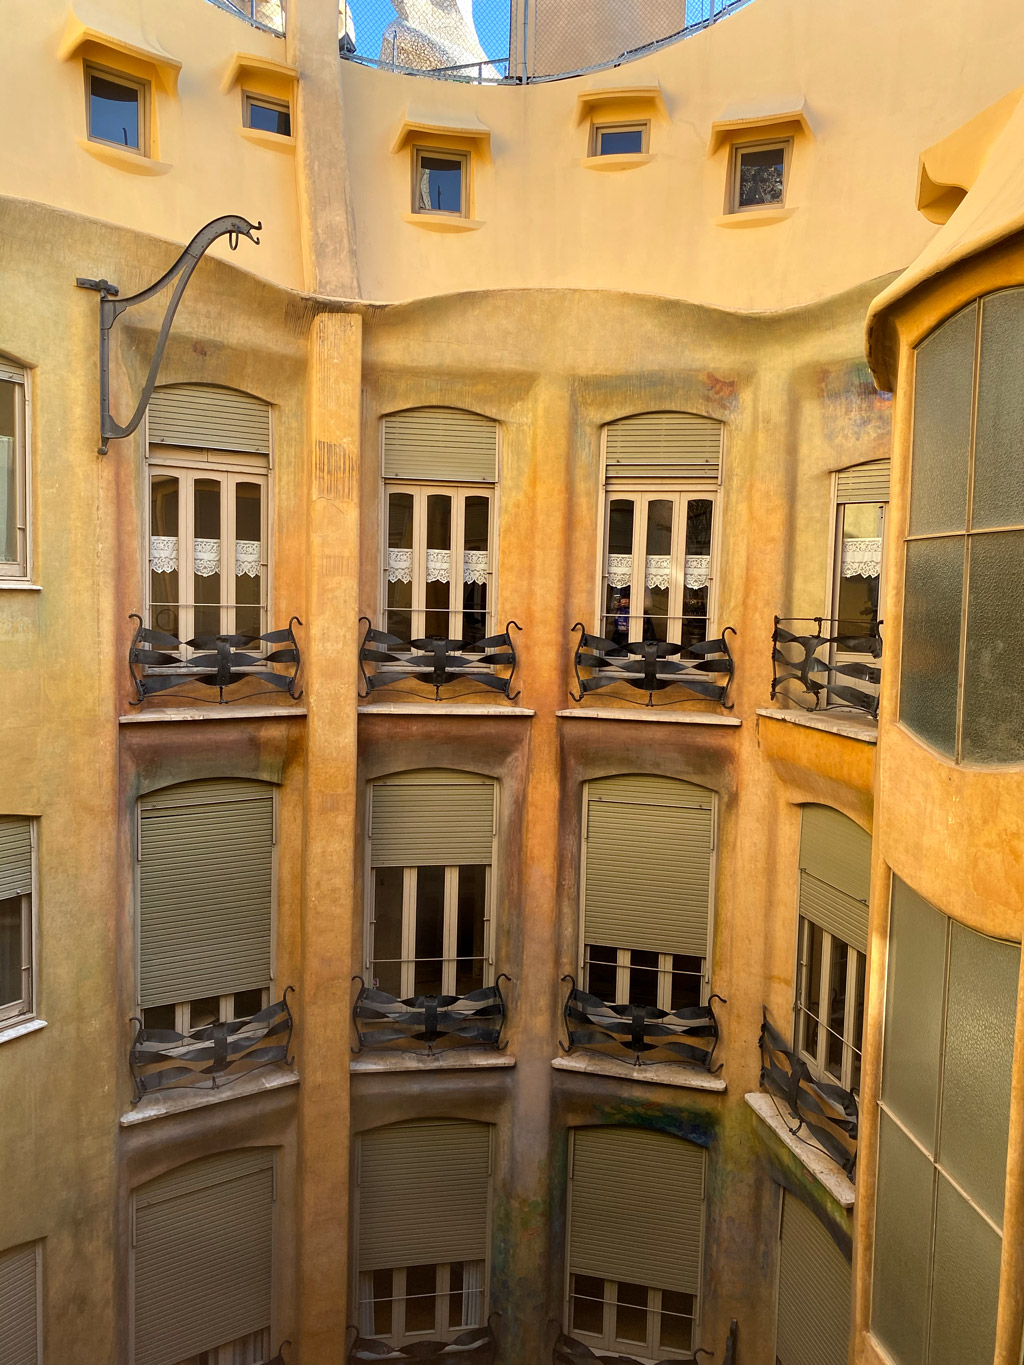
213	1056
829	668
641	1033
437	663
569	1351
477	1346
429	1024
825	1115
704	670
160	663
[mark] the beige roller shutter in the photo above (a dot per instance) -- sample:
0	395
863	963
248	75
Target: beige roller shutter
210	418
205	890
203	1240
664	445
636	1207
814	1292
15	856
441	443
423	1193
835	874
432	818
19	1306
864	483
647	864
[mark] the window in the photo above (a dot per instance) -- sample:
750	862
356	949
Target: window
634	1262
20	1304
615	139
209	540
962	681
16	947
661	477
203	1236
947	1061
814	1292
646	922
440	182
862	503
13	474
431	850
759	172
423	1197
206	879
268	115
440	467
835	876
117	109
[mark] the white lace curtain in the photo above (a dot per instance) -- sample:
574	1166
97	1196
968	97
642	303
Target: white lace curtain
163	556
658	571
861	557
475	564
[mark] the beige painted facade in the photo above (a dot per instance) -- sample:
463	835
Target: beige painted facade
573	299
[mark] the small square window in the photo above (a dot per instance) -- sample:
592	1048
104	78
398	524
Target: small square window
439	184
116	108
268	115
617	139
759	176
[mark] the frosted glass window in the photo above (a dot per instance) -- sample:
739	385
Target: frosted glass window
999	437
993	705
903	1215
931	640
965	1293
944	378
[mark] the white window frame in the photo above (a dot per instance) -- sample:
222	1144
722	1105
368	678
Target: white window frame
785	145
838	656
226	1009
818	1061
451	907
144	90
665	972
20	568
608	1341
442	1329
642	126
25	1009
251	97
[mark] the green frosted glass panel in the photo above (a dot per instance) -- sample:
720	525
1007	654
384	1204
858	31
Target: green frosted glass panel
999	433
903	1215
942	426
913	1012
931	640
993	712
965	1282
981	1007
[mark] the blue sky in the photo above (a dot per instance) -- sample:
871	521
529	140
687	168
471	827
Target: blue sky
373	16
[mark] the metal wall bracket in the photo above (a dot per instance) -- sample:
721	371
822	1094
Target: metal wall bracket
112	306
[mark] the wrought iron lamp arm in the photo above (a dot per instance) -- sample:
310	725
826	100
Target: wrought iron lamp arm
232	226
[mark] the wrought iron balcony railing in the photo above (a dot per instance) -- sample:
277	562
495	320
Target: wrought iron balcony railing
477	1346
429	1023
654	665
819	666
230	659
823	1110
570	1351
688	1035
438	663
214	1056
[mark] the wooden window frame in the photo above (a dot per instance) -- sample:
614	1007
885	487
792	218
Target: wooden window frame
225	1009
442	1328
785	144
283	106
144	90
817	1061
597	131
665	973
20	568
464	158
449	958
651	1349
24	1009
838	656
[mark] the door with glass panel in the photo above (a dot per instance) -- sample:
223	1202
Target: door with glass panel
858	575
438	570
658	567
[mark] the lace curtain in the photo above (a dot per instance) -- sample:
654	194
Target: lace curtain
861	557
658	571
163	556
475	565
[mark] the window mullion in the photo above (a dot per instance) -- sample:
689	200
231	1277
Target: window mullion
677	566
455	573
186	554
638	583
419	563
228	584
849	1014
451	911
408	973
442	1302
398	1304
824	1011
664	981
622	959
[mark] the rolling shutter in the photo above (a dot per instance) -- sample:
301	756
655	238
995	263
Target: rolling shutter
19	1305
637	1208
864	483
203	1238
664	445
423	1193
433	818
210	418
647	866
835	874
205	890
814	1292
441	443
15	856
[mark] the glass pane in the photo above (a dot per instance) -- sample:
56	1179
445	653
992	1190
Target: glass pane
440	187
10	950
631	1313
588	1304
643	978
687	979
455	1296
383	1290
697	569
999	435
420	1298
600	972
9	399
113	112
993	707
814	943
614	141
207	557
387	928
164	549
202	1013
913	1012
858	1023
965	1285
269	119
761	176
619	570
942	426
676	1321
248	552
860	532
469	945
474	569
158	1016
931	640
439	565
429	929
836	1009
903	1217
399	565
658	569
981	1008
247	1003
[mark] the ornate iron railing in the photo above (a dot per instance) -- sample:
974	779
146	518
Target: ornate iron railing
653	665
824	1110
810	662
477	1346
269	15
154	668
689	1034
429	1022
570	1351
438	663
214	1056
